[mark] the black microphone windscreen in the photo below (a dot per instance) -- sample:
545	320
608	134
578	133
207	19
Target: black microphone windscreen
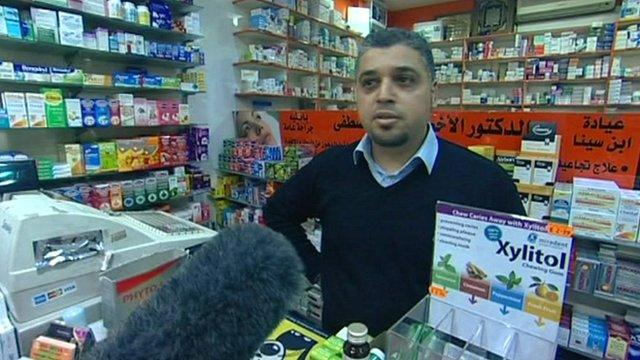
220	305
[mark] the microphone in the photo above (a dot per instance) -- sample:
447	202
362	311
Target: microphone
220	305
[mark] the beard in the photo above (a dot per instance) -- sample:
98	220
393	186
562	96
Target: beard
389	138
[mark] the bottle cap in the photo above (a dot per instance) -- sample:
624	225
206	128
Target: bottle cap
377	354
357	333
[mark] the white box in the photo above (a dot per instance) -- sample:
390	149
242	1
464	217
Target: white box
127	115
552	147
184	114
539	206
141	115
95	7
74	112
561	202
526	202
102	39
430	30
16	109
46	20
523	170
71	29
544	171
595	195
628	216
6	70
8	343
36	110
592	224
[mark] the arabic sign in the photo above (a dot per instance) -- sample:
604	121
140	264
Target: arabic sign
593	145
505	268
323	129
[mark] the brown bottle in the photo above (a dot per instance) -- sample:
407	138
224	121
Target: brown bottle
356	347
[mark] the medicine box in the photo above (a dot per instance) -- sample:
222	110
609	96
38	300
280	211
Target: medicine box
45	24
16	107
6	69
73	155
539	207
592	224
71	29
91	157
561	202
12	22
36	110
108	156
55	108
127	109
544	171
595	195
74	112
523	170
628	216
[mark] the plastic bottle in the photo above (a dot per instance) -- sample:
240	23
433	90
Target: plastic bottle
357	347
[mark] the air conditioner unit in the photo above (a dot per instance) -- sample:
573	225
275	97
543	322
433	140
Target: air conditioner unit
536	10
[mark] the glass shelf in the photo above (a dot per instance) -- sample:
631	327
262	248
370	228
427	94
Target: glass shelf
65	50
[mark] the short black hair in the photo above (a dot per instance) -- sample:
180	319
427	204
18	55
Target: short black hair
385	38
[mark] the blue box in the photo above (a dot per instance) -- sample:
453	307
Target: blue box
152	81
175	52
102	111
4	119
126	79
91	157
12	18
88	113
152	49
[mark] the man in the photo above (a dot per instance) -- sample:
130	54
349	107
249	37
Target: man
376	199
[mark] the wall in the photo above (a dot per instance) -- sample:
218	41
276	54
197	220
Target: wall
406	18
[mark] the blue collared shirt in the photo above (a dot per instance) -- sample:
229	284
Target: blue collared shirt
426	153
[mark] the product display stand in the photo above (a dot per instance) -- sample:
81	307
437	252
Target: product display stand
459	334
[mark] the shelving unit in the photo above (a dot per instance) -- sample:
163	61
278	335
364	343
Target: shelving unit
239	202
81	87
526	84
286	72
105	175
248	176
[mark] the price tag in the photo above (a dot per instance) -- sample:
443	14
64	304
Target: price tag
560	229
438	291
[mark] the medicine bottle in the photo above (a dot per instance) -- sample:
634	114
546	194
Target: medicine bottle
356	347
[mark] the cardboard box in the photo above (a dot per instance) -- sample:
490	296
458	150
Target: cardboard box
102	113
55	108
45	25
3	23
66	75
70	28
628	216
88	112
6	68
141	113
561	202
152	110
507	160
151	151
16	107
184	114
36	110
523	170
74	157
539	207
127	109
592	224
12	22
74	112
114	108
49	348
91	157
108	156
595	195
118	304
32	73
544	171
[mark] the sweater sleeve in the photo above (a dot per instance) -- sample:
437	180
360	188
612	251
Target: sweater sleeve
509	200
290	206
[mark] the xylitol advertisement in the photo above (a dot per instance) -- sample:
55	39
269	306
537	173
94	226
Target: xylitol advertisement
509	269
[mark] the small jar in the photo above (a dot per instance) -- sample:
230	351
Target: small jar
357	347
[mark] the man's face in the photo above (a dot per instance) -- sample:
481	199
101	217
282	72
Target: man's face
394	95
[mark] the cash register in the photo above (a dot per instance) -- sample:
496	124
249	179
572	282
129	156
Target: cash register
53	251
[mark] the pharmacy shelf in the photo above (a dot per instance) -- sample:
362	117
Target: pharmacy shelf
446	42
345	101
567	81
489	37
565	105
179	6
252	4
248	176
345	78
106	174
449	84
268	36
625	78
71	51
581	353
623	244
630	106
616	300
593	54
96	128
239	202
484	83
111	23
627	22
334	52
278	96
495	60
444	62
635	51
128	89
302	71
491	105
260	65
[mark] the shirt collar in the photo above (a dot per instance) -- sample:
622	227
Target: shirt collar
427	152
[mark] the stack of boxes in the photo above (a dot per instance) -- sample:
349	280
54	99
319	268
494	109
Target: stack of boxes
174	150
198	141
589	334
594	207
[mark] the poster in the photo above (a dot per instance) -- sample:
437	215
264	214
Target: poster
289	341
259	126
508	269
323	129
600	146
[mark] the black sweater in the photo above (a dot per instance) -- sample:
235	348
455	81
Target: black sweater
377	243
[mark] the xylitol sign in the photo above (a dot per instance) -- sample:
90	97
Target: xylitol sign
503	267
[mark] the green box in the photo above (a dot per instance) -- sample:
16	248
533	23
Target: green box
108	156
55	108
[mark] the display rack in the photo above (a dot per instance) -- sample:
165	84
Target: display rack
81	87
525	85
248	34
